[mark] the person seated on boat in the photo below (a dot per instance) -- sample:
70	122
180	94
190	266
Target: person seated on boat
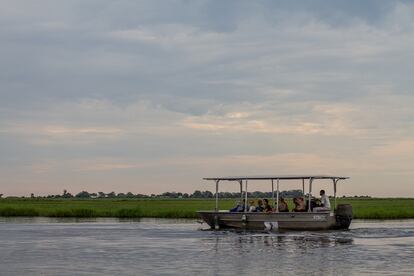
299	204
239	207
266	207
325	204
283	207
302	204
252	207
259	207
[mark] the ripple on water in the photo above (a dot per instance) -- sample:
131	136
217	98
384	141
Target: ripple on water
156	247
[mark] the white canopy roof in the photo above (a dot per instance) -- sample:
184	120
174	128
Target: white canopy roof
275	177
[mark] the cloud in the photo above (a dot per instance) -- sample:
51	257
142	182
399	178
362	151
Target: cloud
160	88
403	148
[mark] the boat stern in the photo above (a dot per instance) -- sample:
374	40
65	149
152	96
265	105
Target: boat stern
343	216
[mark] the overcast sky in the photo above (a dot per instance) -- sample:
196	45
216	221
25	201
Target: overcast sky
151	96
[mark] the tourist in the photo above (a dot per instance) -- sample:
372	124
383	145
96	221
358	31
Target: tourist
252	208
239	207
266	207
283	207
259	207
299	204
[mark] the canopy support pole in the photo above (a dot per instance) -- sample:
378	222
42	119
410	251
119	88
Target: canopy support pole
277	196
334	184
273	194
245	199
310	194
217	195
241	190
303	187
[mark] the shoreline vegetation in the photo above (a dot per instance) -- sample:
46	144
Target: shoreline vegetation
363	208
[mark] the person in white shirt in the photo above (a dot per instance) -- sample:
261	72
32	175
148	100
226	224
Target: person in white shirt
252	208
326	205
325	200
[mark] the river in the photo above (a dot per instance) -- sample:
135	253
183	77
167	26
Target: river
46	246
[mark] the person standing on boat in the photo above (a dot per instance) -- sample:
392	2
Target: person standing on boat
326	205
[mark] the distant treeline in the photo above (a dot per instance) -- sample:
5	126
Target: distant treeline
195	194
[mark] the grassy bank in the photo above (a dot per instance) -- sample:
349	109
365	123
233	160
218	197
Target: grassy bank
176	208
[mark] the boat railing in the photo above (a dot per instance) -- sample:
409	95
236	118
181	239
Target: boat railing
245	179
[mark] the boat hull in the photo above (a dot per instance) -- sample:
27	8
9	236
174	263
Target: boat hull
270	221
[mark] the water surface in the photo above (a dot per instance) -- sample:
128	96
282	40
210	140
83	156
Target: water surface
44	246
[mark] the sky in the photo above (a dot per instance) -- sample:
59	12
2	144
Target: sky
152	96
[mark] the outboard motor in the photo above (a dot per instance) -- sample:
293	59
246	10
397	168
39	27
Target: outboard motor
343	216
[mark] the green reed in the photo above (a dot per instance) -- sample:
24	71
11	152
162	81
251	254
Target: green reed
363	208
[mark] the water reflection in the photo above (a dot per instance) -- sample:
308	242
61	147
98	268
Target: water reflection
153	246
282	240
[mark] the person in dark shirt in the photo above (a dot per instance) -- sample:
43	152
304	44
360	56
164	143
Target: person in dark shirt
266	207
259	207
283	207
299	204
239	207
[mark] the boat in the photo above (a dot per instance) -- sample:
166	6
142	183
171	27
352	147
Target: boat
338	217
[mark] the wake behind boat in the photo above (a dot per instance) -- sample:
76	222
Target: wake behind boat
312	218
